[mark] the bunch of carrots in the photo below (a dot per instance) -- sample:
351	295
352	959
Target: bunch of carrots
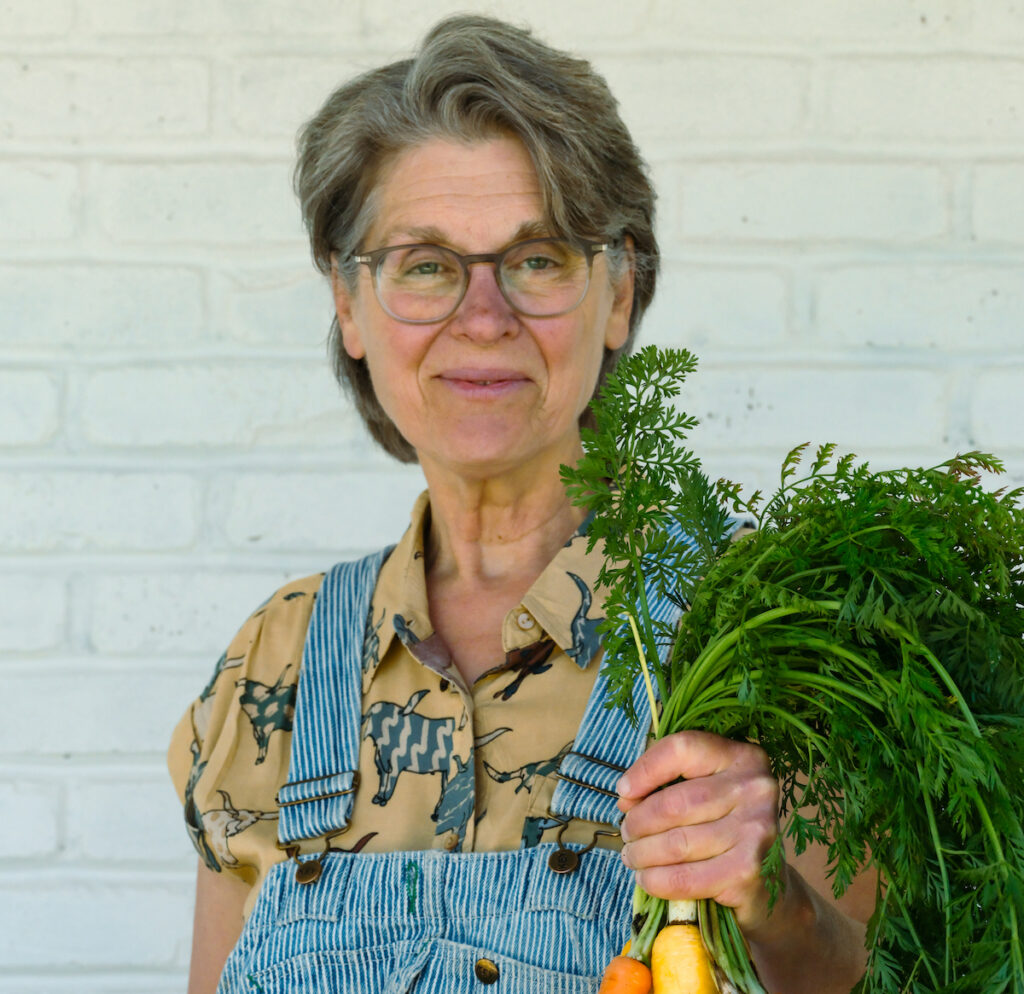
680	962
870	636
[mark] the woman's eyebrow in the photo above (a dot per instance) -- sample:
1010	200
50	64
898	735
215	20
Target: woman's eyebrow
531	229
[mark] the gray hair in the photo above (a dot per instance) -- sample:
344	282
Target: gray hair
475	78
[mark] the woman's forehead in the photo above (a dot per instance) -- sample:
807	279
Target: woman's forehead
462	192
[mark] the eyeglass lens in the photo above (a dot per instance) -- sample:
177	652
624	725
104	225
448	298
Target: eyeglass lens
539	278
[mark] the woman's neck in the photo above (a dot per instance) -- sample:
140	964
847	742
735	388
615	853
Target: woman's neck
490	532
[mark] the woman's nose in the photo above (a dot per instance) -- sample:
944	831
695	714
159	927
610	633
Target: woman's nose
484	312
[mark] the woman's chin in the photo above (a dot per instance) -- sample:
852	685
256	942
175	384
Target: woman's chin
479	462
489	455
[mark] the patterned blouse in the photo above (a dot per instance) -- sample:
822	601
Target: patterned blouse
442	765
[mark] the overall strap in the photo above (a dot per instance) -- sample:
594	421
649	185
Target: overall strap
607	741
322	774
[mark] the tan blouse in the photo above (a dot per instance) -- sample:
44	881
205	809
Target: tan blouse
229	753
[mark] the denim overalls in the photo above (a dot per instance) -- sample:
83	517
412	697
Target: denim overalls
542	920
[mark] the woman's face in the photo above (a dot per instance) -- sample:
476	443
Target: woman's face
486	391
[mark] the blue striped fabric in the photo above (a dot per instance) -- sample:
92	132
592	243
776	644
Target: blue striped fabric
404	921
317	800
607	742
385	923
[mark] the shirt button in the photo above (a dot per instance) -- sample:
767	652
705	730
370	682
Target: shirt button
451	840
486	971
525	621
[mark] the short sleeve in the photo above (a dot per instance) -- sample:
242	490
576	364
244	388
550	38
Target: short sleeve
229	752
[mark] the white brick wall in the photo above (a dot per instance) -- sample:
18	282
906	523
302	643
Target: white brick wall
101	306
38	201
999	203
96	97
74	510
813	201
842	217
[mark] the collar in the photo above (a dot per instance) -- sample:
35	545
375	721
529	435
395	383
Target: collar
561	601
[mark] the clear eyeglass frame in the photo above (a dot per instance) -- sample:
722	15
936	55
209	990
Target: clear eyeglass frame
375	259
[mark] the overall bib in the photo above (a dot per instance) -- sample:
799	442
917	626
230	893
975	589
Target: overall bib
542	920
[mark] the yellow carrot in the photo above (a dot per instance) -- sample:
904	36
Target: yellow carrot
680	963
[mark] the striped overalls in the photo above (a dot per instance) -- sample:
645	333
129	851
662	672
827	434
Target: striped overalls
542	920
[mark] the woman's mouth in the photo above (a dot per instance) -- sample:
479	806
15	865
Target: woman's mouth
489	381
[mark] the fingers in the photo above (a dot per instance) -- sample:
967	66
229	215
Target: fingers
681	844
688	803
732	878
717	774
685	754
717	801
704	835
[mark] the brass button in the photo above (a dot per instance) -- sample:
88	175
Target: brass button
308	871
563	861
486	971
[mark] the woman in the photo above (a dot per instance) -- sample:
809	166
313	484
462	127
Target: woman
399	818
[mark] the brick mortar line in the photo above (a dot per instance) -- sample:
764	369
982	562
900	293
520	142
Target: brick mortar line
58	774
813	54
156	565
12	975
801	147
220	461
58	878
128	150
371	48
69	861
211	557
107	664
712	255
827	355
300	269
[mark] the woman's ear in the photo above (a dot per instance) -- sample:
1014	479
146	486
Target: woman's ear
617	328
351	337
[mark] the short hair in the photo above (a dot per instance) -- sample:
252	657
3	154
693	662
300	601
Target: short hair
475	78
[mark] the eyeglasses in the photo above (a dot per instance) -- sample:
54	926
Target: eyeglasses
540	277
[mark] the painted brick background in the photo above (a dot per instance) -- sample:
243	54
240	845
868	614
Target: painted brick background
842	216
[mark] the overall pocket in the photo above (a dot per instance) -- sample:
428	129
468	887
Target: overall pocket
431	966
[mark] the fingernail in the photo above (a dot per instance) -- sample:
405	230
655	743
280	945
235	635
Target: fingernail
623	785
626	837
625	857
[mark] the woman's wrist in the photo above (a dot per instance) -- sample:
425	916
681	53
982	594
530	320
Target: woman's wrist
806	944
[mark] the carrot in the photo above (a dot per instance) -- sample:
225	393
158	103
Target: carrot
680	962
625	975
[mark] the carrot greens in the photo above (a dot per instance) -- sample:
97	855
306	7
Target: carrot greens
869	634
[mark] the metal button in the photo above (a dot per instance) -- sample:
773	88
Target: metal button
563	861
451	841
308	871
525	621
486	971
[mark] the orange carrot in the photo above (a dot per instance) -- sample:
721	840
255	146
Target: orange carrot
625	975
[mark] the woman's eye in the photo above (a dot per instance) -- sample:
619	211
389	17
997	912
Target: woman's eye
535	262
545	257
428	268
424	265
